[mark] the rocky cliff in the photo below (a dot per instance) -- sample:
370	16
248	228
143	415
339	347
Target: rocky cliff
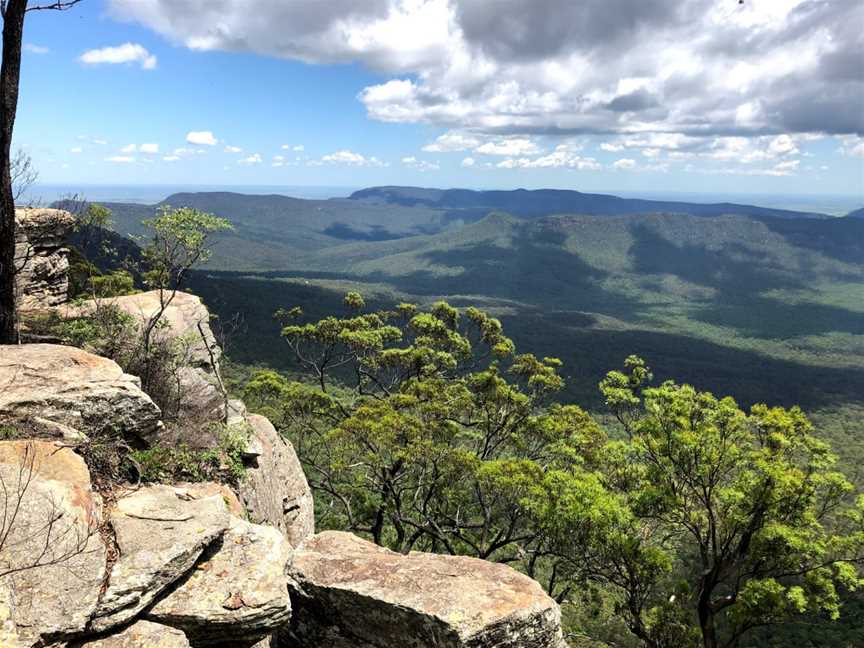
41	259
128	565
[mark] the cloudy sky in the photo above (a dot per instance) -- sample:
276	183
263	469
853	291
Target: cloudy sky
693	95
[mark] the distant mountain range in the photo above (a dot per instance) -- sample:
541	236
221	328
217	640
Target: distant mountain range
858	213
545	202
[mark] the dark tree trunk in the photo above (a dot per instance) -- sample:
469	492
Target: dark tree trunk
10	72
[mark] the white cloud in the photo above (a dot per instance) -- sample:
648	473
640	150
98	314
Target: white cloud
468	162
510	146
278	158
852	146
255	158
35	49
293	147
150	149
171	158
76	149
126	53
201	138
453	141
100	142
696	81
624	163
124	159
129	148
421	165
350	158
233	149
563	157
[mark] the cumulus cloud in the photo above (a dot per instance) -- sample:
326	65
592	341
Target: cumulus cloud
201	138
350	158
852	146
171	158
293	147
124	159
452	141
126	53
468	162
696	67
624	163
255	158
129	148
233	149
421	165
564	156
509	146
149	149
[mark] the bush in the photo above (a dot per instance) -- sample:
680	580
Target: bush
223	463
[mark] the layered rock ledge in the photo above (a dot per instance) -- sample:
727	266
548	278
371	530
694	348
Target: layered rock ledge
349	593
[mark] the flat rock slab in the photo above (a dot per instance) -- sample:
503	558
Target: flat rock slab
348	592
237	592
74	388
160	533
54	541
141	634
274	490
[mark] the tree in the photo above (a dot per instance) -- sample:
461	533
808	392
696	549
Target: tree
179	242
708	521
13	13
423	428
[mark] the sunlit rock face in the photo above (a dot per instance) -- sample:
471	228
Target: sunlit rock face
350	593
41	260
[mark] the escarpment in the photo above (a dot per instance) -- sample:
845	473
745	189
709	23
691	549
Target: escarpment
98	557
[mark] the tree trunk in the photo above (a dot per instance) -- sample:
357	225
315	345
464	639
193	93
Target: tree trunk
10	72
706	622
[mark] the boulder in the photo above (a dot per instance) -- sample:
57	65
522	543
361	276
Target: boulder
350	593
75	389
187	321
274	489
53	540
160	533
43	278
141	634
237	594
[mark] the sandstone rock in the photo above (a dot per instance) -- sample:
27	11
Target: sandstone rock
141	634
43	278
200	490
74	388
187	321
160	534
274	489
57	527
237	593
349	593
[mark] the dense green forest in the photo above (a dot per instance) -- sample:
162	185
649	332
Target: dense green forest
763	308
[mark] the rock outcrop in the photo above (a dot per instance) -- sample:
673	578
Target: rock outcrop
160	534
214	610
187	322
52	517
141	634
40	258
274	489
74	389
350	593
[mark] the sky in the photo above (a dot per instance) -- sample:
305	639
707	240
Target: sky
764	96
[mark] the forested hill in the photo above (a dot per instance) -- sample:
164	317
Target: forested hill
858	213
545	202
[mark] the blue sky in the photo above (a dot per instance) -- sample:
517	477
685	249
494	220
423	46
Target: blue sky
443	93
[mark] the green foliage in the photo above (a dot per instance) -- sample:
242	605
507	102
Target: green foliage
179	242
740	516
113	284
435	433
224	463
